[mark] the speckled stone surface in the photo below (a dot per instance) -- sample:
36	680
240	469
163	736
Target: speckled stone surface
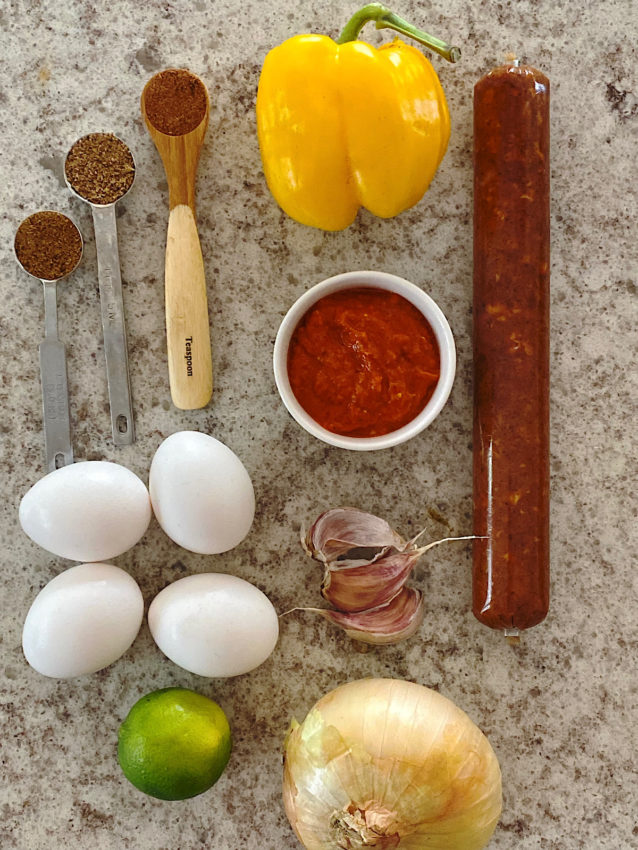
560	710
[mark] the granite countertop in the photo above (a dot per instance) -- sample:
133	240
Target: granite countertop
561	709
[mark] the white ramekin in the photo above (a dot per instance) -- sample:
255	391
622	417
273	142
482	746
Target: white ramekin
376	280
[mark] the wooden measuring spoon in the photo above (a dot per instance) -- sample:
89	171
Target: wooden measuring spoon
175	106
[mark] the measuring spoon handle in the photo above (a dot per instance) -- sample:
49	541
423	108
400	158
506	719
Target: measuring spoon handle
190	368
113	326
55	404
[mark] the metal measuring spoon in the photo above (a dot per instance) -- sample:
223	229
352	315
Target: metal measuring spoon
48	246
100	170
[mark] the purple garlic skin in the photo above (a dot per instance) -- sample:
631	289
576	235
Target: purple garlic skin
366	565
397	620
337	531
358	588
339	538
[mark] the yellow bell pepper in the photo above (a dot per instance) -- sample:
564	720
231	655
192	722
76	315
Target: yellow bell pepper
343	125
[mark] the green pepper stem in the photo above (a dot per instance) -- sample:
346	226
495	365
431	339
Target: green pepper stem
385	19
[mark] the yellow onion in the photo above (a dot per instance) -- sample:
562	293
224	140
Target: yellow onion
387	763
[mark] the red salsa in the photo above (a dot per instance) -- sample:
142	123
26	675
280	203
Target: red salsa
363	362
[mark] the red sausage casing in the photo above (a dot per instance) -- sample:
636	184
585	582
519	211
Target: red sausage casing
511	348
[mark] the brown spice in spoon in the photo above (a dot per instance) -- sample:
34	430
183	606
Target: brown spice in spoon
48	245
175	102
100	168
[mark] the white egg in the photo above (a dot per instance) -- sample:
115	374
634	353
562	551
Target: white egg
201	493
82	620
89	511
214	624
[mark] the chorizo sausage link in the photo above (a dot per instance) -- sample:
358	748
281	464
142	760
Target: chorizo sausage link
511	348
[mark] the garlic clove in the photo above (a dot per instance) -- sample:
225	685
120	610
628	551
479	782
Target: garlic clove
339	530
387	624
370	584
366	565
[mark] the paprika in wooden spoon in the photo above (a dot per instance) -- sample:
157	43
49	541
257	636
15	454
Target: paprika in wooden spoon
175	107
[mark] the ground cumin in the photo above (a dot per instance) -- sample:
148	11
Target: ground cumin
48	245
100	168
175	102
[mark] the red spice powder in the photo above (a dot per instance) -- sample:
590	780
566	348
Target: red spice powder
363	362
175	101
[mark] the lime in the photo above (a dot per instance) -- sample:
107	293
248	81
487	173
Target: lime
174	744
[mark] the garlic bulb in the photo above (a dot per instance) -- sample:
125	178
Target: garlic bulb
366	565
387	763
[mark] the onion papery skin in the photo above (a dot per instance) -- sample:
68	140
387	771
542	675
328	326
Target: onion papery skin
387	763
